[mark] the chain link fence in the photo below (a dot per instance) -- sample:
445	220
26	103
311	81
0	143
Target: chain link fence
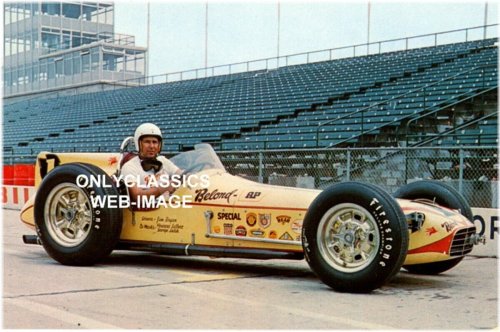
472	171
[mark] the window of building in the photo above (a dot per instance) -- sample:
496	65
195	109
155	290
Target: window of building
7	42
89	13
89	38
109	15
67	64
7	10
66	40
35	8
70	10
21	76
77	63
43	70
7	78
85	61
14	76
35	42
76	39
50	39
29	74
59	67
51	8
36	75
51	69
108	61
94	59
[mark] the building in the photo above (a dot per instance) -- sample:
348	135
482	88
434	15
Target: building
66	46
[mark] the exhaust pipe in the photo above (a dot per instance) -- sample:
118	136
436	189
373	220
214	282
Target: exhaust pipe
31	239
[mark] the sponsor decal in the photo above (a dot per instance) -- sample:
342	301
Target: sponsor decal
240	231
297	226
286	236
264	219
431	231
217	229
228	229
449	226
283	219
273	234
228	216
257	233
112	161
253	194
205	195
251	219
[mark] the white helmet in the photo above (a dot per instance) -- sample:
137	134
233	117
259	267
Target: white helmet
147	129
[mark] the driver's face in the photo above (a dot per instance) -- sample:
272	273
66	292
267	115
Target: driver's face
149	147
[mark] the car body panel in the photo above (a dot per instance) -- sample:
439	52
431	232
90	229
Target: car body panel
246	214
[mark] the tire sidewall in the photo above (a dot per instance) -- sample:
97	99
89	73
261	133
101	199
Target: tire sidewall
105	222
392	232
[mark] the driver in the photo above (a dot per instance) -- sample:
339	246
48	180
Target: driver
148	163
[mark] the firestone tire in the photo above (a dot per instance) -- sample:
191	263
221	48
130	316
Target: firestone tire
355	237
443	195
71	230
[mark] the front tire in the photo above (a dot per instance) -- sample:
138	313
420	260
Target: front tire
441	194
355	237
71	230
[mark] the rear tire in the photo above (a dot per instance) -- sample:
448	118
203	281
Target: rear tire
71	230
443	195
355	237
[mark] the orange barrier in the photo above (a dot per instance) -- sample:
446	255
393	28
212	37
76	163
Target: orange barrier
20	175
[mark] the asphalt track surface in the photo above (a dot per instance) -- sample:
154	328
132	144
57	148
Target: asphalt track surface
146	291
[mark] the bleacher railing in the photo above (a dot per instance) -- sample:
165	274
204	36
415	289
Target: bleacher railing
424	90
454	133
378	47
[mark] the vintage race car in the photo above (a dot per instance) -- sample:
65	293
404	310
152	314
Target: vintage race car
355	236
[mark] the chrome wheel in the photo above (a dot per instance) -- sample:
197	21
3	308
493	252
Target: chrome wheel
68	214
348	237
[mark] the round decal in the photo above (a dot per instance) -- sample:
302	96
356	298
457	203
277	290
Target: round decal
251	219
240	231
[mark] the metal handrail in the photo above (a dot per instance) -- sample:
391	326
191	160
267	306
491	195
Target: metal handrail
362	110
455	129
483	67
246	64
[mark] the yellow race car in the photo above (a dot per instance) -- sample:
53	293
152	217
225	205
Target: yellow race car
355	236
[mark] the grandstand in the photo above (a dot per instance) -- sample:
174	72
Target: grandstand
372	100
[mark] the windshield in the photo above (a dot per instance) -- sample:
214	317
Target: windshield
203	157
